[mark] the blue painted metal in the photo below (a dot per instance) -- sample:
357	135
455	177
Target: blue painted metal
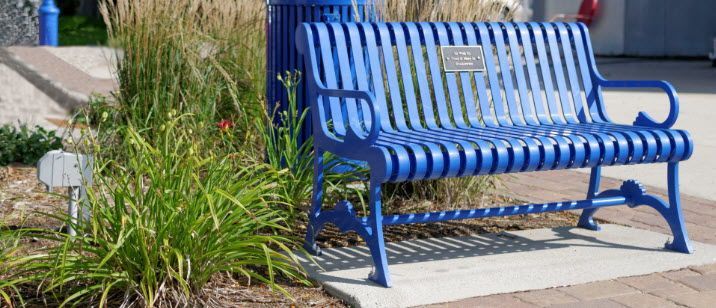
49	15
379	94
283	17
586	220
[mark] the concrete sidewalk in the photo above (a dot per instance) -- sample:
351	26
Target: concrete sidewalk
44	85
443	269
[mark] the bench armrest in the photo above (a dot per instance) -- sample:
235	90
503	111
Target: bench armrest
643	119
354	137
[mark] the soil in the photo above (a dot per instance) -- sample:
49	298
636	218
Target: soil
23	199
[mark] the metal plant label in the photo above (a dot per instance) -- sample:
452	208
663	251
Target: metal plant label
463	58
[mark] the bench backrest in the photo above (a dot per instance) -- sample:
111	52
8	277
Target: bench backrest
534	73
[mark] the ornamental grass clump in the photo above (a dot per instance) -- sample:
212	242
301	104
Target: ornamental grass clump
203	57
163	222
446	10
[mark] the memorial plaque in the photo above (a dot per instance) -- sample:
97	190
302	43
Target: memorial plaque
463	58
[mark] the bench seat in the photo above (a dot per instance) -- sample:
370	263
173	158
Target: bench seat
441	153
424	100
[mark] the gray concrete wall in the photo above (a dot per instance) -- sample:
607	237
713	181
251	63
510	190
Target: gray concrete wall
18	22
661	28
607	32
670	28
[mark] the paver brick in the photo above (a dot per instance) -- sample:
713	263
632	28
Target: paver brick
597	303
599	290
696	300
492	301
642	300
701	282
702	207
700	220
677	275
675	290
544	298
704	269
648	283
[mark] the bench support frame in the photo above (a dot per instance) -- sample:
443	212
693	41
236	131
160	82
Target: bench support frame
370	228
671	211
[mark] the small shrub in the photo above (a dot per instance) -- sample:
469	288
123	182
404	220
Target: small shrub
163	223
26	145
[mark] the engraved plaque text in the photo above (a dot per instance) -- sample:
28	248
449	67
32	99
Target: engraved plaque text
463	58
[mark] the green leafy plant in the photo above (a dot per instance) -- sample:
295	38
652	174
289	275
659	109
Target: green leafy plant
292	160
8	245
163	223
26	145
284	152
11	250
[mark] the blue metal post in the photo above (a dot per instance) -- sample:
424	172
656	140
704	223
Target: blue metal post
283	17
49	23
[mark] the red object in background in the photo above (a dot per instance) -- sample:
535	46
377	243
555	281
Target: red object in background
587	13
224	125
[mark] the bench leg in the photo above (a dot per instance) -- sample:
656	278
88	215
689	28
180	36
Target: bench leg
376	243
636	195
674	215
316	202
586	220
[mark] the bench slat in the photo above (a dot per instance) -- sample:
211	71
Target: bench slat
506	72
517	54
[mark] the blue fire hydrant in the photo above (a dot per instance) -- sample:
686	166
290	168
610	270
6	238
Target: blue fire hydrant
49	23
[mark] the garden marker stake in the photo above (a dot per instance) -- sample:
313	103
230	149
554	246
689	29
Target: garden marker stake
74	171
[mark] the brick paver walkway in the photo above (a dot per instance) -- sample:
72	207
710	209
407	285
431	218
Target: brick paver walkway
692	287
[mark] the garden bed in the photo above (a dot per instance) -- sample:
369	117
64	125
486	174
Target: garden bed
22	197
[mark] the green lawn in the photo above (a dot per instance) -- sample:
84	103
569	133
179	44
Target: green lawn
81	30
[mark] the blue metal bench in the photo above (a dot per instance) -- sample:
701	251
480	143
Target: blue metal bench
397	97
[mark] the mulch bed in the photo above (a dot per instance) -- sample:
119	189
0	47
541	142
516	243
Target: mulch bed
21	196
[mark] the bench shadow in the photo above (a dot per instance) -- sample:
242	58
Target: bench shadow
446	248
